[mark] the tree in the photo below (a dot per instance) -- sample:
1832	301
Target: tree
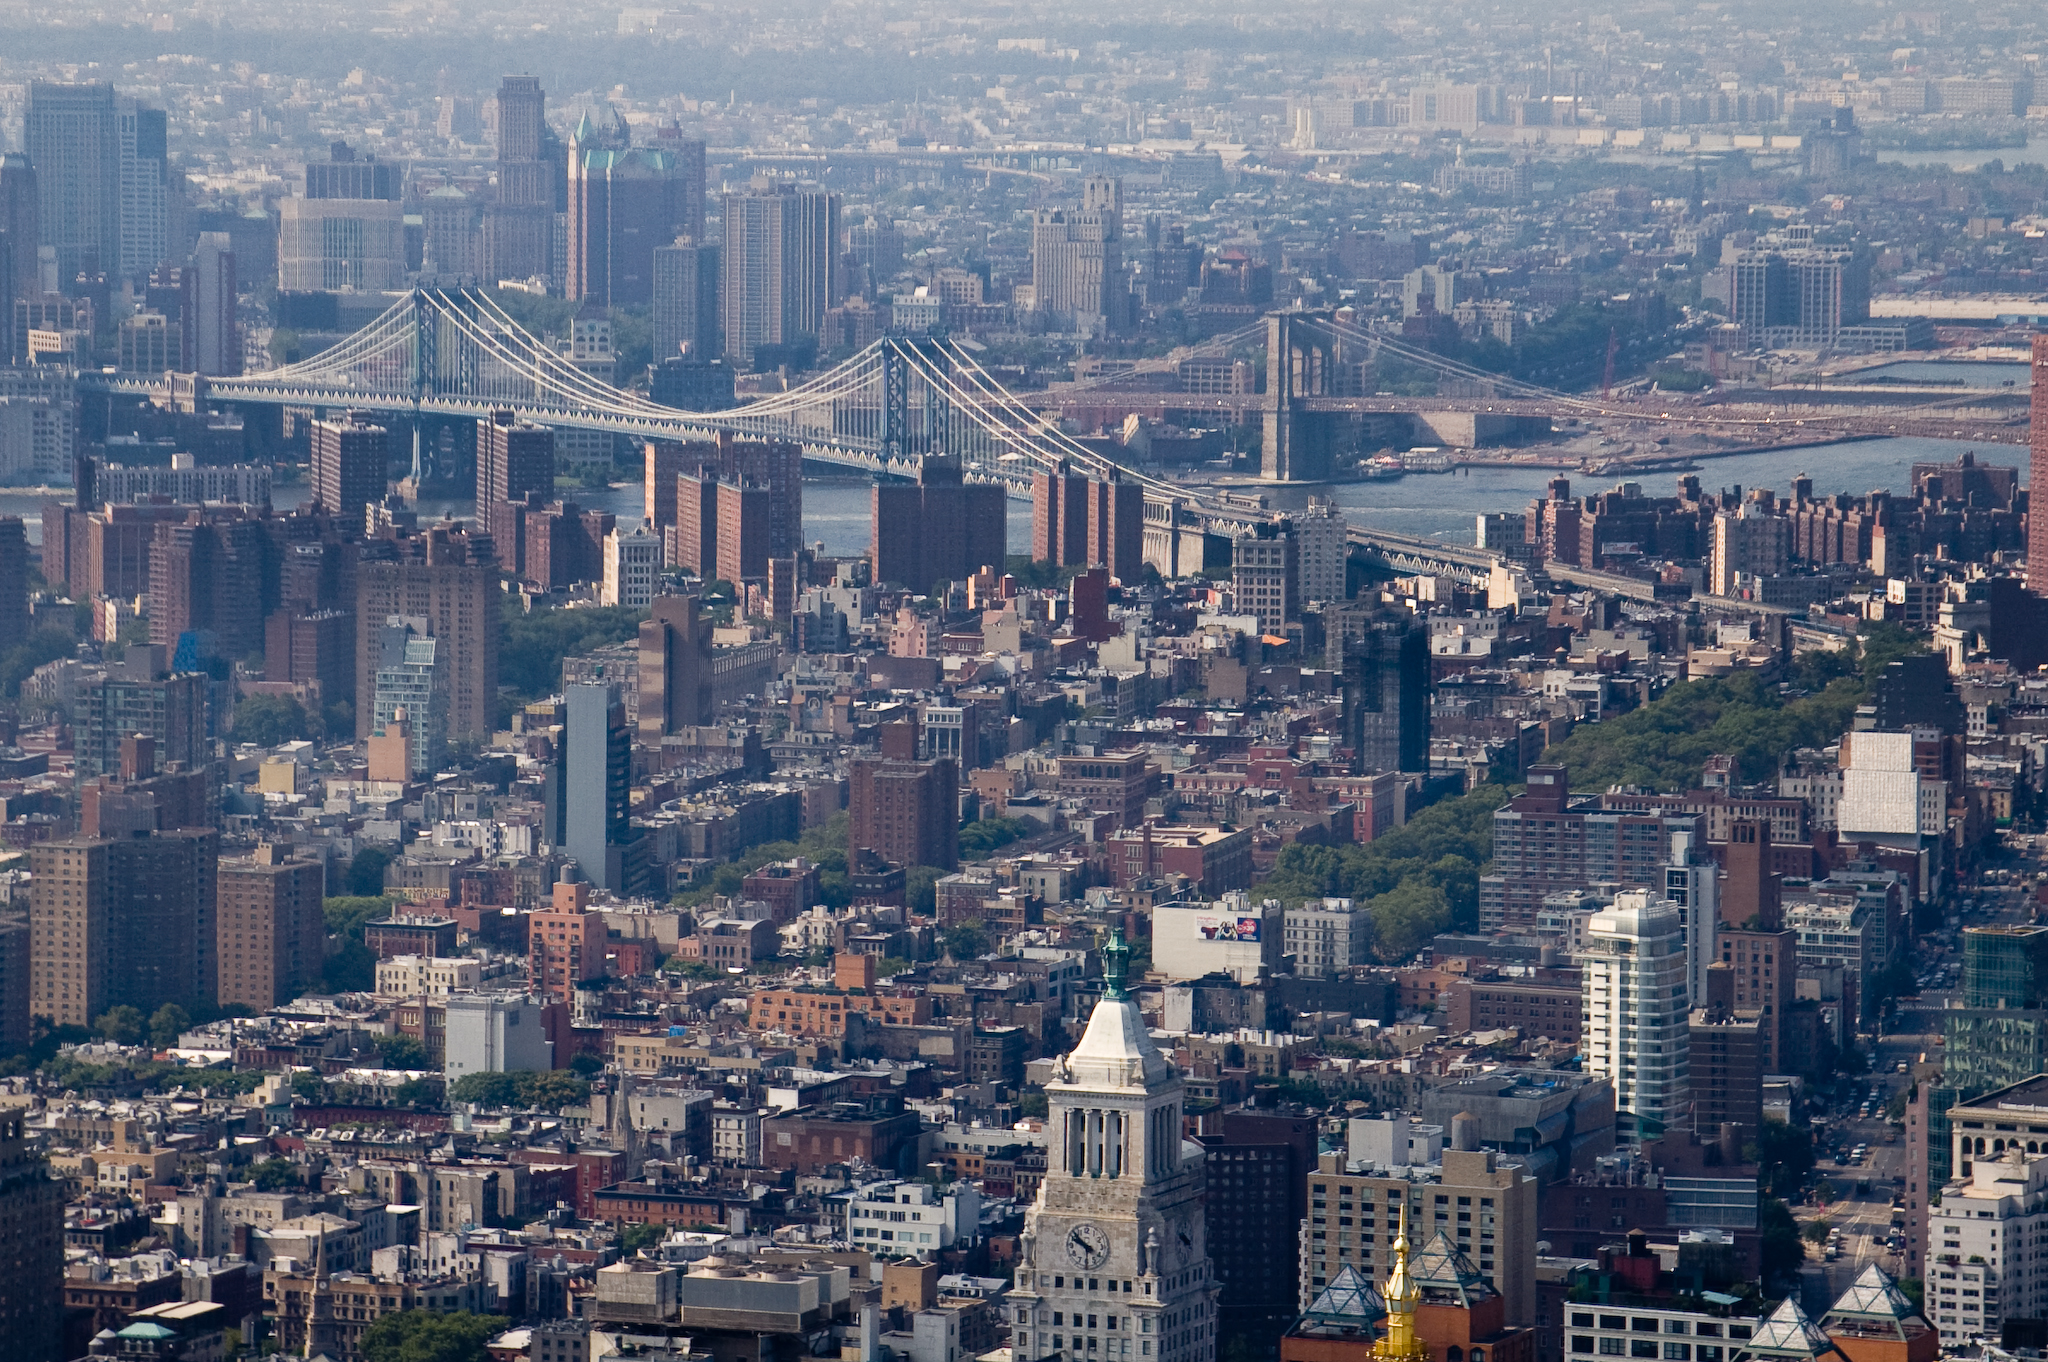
268	720
45	643
417	1092
168	1023
1781	1249
921	890
402	1052
365	877
308	1085
122	1025
552	1090
1783	1156
1405	920
488	1089
584	1064
274	1175
637	1237
352	969
1817	1229
429	1336
967	940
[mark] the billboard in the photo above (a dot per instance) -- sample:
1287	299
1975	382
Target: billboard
1225	927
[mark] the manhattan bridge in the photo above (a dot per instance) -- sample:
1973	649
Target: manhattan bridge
453	352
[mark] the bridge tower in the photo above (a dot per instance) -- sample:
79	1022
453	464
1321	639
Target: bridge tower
1300	362
907	431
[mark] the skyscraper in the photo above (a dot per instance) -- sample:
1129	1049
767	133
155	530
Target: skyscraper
624	201
513	458
1323	550
2037	472
1116	526
330	244
686	300
596	788
1635	1021
21	222
139	694
1120	1202
73	136
13	578
31	1247
1077	267
519	226
450	580
675	667
683	500
1386	695
1265	574
350	466
145	191
940	528
271	931
779	267
410	687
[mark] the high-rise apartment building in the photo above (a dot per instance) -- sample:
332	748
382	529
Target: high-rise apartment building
350	465
1077	267
269	927
1323	551
122	921
73	137
514	458
1751	541
1635	1031
411	688
564	943
140	694
211	572
1386	694
450	581
518	231
675	668
1116	526
742	519
683	500
686	285
779	270
624	201
906	811
941	528
31	1247
1256	1170
1059	518
1265	576
596	786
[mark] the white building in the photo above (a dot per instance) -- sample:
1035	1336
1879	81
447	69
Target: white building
1692	884
1115	1256
328	245
1322	548
1327	935
38	423
632	562
736	1134
1983	1244
1232	935
1634	1002
912	1219
1883	794
495	1033
411	976
1392	1142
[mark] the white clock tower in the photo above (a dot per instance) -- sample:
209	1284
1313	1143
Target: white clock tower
1115	1263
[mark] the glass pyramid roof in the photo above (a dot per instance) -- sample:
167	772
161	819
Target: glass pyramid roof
1788	1333
1875	1296
1442	1268
1348	1299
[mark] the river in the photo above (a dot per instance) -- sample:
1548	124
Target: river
1440	504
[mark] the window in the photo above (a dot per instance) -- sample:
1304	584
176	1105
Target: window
1678	1352
1612	1347
1582	1343
1642	1347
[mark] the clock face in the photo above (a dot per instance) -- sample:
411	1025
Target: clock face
1087	1245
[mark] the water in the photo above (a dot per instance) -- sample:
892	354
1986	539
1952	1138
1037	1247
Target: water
2035	151
1446	505
836	511
1971	373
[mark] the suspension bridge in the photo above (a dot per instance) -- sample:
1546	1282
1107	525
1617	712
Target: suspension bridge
454	353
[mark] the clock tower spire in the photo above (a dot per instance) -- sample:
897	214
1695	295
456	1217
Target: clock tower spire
1115	1258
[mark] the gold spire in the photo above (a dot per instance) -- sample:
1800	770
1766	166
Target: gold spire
1399	1343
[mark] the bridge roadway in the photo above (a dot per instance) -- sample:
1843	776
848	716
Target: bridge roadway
1985	425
